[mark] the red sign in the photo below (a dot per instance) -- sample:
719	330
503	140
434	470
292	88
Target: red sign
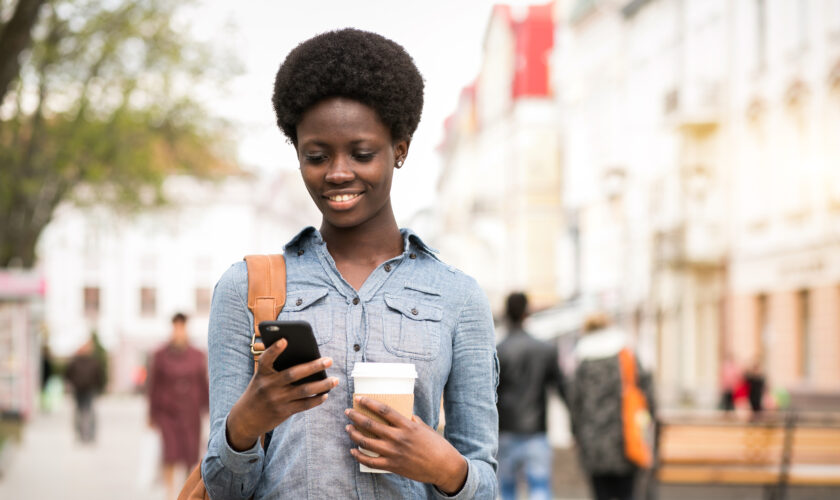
16	284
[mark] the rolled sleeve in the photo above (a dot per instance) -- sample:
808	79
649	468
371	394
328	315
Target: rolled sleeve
471	485
242	462
472	420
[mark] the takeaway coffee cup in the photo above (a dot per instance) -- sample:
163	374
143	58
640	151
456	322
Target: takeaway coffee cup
389	383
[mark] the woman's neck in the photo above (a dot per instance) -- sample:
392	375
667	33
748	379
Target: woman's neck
370	243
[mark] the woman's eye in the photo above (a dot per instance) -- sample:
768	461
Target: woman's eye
315	158
364	157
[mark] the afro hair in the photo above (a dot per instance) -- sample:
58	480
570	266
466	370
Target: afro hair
355	64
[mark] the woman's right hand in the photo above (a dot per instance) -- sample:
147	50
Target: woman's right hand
270	397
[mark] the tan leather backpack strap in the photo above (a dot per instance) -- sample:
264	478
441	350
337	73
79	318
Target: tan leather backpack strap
266	293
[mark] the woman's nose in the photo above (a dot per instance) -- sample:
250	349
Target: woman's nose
339	171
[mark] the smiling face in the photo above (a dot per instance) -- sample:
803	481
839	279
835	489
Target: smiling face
347	158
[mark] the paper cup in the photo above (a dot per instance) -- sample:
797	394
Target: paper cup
389	383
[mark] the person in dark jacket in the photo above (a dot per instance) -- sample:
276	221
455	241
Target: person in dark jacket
86	375
595	406
528	368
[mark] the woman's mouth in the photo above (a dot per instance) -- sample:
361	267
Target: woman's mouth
343	201
343	197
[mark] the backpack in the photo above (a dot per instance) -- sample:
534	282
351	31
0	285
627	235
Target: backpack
266	298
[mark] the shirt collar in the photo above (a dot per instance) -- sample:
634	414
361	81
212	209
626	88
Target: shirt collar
304	235
310	234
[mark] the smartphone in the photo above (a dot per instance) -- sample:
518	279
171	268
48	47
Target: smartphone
302	347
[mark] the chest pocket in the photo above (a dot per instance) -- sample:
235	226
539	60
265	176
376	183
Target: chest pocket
411	327
310	306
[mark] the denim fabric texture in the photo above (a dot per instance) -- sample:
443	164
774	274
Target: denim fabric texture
411	309
528	456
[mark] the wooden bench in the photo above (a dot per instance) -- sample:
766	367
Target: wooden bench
777	450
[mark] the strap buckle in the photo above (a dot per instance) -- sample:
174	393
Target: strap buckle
253	342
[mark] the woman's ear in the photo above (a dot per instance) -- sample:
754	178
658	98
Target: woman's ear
400	152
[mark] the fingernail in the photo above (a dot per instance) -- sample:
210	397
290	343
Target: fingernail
347	428
358	399
327	362
347	411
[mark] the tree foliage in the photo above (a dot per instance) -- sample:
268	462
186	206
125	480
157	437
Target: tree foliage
104	107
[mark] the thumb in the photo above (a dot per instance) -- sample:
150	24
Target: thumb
269	355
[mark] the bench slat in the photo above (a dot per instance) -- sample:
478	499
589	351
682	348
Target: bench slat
747	453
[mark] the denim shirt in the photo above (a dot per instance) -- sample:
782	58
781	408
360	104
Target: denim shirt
411	309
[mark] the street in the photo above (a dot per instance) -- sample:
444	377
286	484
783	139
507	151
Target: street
50	463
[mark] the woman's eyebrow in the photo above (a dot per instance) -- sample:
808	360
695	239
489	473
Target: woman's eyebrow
323	143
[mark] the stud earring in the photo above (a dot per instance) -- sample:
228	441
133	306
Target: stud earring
399	163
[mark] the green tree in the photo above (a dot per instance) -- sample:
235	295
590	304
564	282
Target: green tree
102	109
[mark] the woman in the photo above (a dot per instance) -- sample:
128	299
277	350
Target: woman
595	408
177	399
349	102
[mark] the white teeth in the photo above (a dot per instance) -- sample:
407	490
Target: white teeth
343	197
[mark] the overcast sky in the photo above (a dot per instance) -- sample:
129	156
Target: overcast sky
443	36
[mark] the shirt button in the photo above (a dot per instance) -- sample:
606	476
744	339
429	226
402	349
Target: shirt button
355	301
414	311
300	252
387	268
253	460
412	255
298	302
356	347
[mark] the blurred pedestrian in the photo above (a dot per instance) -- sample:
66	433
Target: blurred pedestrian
528	368
47	372
595	404
730	378
756	383
178	395
85	373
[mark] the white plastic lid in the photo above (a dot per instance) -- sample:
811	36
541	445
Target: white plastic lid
384	370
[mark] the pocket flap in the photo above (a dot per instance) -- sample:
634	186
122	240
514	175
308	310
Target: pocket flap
414	309
421	287
301	299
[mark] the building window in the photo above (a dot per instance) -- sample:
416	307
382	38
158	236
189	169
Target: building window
802	23
763	341
805	335
760	34
148	301
91	296
834	18
202	301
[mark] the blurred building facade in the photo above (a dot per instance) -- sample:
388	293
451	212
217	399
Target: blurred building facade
21	337
697	171
125	275
500	187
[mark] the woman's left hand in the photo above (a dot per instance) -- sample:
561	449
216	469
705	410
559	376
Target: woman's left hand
407	447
